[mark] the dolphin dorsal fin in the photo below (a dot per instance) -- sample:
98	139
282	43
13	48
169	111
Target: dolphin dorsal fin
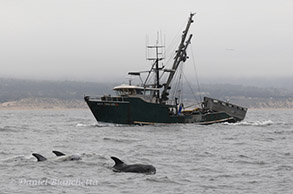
39	157
117	161
57	153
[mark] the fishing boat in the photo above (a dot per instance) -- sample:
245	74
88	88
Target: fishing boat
150	103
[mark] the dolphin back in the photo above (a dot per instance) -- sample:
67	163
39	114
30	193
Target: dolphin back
140	168
57	153
120	166
39	157
117	161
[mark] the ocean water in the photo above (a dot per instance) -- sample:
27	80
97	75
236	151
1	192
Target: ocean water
253	156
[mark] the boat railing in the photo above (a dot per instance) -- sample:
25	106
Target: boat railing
112	99
222	103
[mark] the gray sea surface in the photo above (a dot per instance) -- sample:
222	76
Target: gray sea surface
253	156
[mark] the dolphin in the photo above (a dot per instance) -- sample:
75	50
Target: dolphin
57	153
39	157
60	157
120	166
64	157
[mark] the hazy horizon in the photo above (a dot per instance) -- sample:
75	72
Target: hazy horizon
93	41
262	82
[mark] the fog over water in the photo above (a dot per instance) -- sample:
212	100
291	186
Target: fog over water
103	40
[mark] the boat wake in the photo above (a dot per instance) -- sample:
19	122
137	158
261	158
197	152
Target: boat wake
85	125
252	123
98	125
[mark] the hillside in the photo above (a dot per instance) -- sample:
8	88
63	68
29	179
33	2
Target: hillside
32	94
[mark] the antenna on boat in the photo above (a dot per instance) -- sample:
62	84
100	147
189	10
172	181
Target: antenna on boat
156	56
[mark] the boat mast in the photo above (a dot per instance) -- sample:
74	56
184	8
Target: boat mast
155	67
180	56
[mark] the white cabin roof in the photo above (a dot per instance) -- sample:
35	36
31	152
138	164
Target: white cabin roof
121	87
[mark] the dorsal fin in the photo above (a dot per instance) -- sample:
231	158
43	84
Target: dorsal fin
117	161
57	153
39	157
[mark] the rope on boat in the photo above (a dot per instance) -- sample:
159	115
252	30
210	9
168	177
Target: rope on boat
195	71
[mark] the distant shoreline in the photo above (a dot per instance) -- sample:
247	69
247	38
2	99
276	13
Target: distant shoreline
61	104
38	108
55	95
43	104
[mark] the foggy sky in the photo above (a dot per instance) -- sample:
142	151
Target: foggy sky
103	40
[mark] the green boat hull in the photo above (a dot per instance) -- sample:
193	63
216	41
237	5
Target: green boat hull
133	110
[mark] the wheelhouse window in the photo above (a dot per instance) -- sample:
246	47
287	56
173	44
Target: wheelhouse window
129	91
137	91
148	92
121	92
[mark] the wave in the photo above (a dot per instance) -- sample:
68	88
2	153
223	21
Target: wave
99	125
19	158
163	179
251	162
8	129
123	140
252	123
